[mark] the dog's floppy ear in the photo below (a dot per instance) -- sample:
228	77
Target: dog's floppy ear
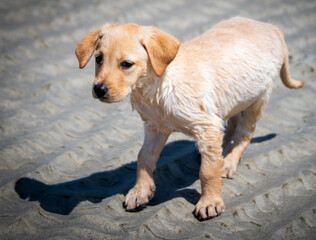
161	48
86	47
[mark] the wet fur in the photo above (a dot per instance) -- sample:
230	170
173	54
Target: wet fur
217	83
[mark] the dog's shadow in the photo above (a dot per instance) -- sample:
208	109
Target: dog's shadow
177	168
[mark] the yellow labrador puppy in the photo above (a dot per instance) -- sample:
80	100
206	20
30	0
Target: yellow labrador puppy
221	77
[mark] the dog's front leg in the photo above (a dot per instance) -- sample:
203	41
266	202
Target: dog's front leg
211	202
144	188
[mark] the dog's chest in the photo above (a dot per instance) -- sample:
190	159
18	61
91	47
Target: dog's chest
155	115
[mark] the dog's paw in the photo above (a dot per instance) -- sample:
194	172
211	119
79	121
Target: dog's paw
137	199
206	208
229	168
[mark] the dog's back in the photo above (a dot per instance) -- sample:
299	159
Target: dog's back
235	62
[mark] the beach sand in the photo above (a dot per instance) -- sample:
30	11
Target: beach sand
67	160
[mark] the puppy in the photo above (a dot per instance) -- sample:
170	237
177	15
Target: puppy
221	77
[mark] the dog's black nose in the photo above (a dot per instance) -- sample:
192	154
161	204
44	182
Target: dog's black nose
99	90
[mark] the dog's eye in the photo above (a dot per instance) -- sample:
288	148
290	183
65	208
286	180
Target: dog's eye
98	59
126	64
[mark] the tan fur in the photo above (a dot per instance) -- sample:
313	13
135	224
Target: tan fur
225	75
86	47
161	47
285	73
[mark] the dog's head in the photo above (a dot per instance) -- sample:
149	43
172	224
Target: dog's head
123	53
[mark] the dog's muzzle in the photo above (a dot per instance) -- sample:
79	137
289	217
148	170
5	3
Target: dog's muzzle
99	91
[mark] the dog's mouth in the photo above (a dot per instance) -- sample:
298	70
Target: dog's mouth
107	100
104	99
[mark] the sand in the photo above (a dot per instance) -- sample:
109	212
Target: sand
67	160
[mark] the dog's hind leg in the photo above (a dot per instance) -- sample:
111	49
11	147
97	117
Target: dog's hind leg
230	130
244	132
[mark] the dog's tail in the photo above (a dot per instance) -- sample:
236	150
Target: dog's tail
285	72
